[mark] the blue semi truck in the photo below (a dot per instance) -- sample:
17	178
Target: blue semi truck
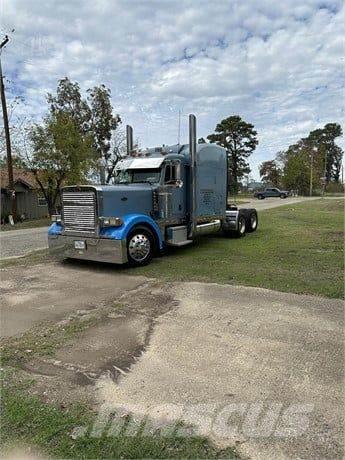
163	196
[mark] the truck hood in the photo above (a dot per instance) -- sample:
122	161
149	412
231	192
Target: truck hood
124	187
119	200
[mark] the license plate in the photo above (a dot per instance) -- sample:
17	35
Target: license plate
79	245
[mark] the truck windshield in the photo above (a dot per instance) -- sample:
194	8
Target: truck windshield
136	176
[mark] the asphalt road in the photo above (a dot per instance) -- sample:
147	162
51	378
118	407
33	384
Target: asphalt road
250	367
269	203
16	243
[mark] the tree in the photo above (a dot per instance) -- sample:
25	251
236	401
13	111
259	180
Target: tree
270	173
296	170
61	155
316	156
337	163
92	116
102	124
117	151
330	153
239	139
68	100
17	161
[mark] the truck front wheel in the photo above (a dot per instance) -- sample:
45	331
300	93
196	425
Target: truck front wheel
140	247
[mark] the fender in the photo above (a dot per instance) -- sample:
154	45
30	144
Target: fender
54	229
129	221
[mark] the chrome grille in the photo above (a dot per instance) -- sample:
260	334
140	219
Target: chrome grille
79	211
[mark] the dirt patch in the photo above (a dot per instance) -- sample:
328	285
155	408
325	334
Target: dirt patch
51	292
115	337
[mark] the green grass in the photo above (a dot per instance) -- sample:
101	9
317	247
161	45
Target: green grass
32	223
27	422
297	248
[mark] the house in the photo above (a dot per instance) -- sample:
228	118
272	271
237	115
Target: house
31	203
255	185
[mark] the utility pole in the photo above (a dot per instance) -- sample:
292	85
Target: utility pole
7	136
311	173
312	152
324	174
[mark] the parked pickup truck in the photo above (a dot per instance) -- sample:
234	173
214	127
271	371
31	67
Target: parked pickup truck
271	192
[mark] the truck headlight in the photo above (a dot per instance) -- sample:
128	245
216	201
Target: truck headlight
111	221
56	218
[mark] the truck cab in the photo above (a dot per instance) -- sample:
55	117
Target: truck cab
159	197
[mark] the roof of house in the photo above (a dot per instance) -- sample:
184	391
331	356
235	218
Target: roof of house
19	175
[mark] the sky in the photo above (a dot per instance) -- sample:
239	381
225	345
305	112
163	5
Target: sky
277	64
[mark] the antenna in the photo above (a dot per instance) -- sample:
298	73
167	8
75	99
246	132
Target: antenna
179	128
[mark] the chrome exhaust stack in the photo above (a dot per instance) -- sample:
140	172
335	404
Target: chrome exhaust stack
192	151
129	135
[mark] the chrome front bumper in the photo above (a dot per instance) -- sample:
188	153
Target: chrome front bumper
97	249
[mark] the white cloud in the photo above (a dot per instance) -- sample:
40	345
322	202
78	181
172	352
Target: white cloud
278	65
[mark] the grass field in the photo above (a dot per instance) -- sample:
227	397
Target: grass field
297	248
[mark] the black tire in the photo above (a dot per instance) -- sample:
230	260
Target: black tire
261	197
252	222
241	226
140	246
283	195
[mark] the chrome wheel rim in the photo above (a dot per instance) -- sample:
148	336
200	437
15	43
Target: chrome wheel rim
139	247
242	226
253	222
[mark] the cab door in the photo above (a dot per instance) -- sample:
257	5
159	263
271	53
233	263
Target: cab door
174	182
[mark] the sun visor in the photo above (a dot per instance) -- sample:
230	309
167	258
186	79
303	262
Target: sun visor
140	163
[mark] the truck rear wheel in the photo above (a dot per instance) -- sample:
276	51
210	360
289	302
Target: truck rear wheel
252	222
140	246
241	226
